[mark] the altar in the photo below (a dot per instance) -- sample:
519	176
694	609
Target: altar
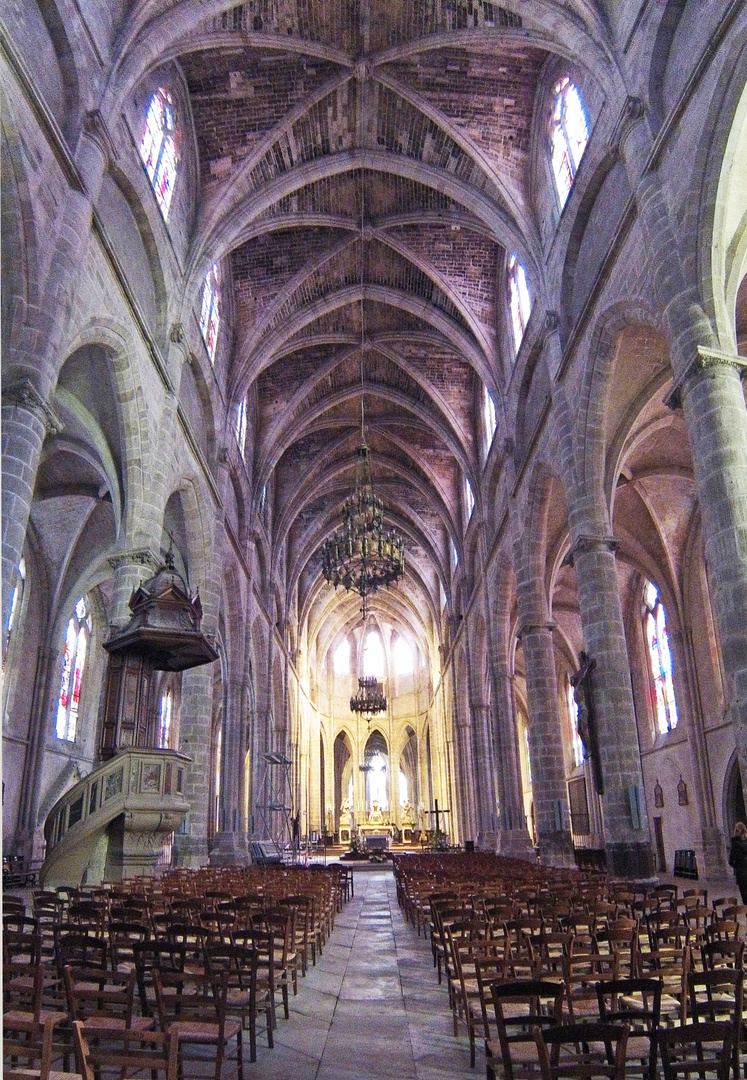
377	837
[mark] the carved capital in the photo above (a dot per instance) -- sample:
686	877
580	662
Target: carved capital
138	556
94	126
705	363
25	395
585	543
632	111
177	334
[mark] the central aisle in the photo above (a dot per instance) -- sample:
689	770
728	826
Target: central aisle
372	1008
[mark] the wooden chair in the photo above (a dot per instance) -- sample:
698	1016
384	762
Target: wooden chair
264	943
581	974
245	998
25	1040
637	1003
582	1051
124	1053
192	1011
520	1006
716	996
702	1050
103	999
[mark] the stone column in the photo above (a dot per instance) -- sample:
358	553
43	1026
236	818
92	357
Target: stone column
228	846
712	836
549	788
485	779
714	409
513	836
627	840
191	846
26	420
467	779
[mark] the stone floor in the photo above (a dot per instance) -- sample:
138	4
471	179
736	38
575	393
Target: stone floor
372	1008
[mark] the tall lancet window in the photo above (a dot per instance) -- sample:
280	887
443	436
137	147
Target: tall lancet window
519	300
569	134
660	659
73	666
490	421
210	312
158	148
241	425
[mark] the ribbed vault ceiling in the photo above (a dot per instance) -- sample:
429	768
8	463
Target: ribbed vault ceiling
364	170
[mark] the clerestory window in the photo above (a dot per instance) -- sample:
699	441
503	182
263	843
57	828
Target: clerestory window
569	134
158	148
519	300
210	312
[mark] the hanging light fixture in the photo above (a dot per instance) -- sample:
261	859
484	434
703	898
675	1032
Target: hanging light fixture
369	698
363	556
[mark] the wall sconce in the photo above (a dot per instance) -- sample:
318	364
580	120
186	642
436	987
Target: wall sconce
658	795
682	792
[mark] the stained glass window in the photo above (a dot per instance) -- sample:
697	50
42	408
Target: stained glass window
489	417
519	301
577	746
569	134
73	665
210	312
660	659
158	148
241	425
164	720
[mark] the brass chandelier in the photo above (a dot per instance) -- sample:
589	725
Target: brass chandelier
363	556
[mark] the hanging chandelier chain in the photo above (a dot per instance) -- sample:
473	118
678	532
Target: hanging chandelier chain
363	328
363	556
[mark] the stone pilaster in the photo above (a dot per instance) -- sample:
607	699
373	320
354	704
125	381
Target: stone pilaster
466	772
713	404
26	420
549	789
627	839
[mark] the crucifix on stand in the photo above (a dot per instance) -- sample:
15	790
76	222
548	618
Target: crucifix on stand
437	813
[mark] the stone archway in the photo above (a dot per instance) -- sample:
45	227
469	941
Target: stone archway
734	806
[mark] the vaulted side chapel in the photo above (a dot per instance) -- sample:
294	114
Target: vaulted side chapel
374	436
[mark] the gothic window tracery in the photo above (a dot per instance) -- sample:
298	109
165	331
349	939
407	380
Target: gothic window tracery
210	312
660	660
73	666
569	134
519	300
158	149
